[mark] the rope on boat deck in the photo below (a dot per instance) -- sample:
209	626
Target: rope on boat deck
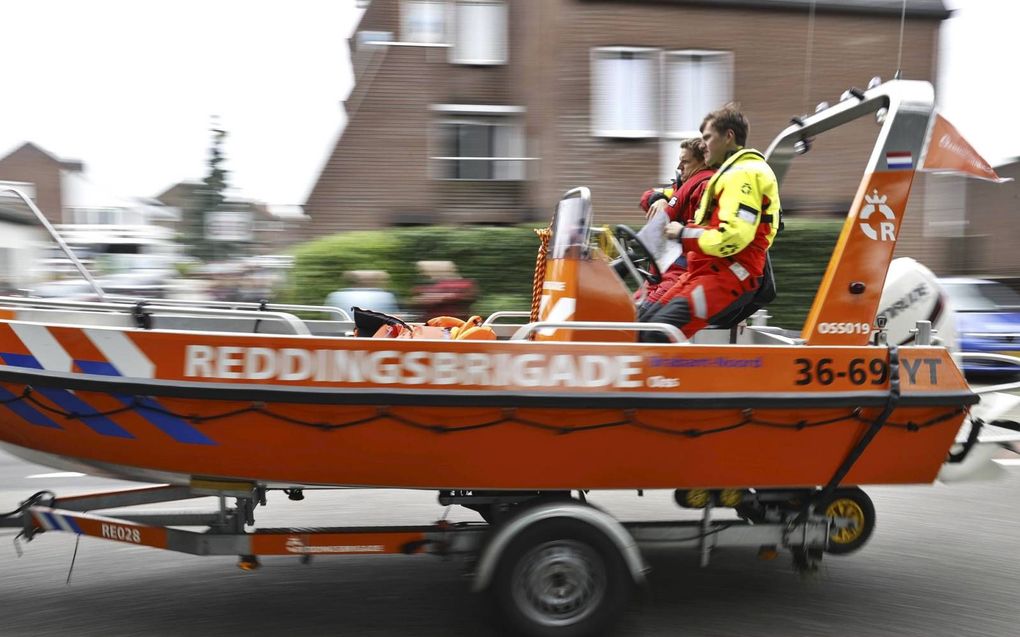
506	416
539	280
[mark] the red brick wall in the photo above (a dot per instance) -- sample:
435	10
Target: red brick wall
30	164
769	51
379	172
380	167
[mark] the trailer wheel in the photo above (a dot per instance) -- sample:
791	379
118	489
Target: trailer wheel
561	578
856	506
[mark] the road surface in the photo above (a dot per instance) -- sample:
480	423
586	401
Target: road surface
944	560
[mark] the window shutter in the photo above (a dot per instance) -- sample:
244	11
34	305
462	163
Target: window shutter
623	93
481	28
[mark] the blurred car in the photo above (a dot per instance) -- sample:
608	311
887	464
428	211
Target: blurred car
367	290
987	321
68	289
375	299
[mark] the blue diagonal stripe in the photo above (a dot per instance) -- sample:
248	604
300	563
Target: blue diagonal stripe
26	411
73	524
52	520
68	401
150	410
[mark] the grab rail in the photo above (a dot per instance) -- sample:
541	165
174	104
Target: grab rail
41	218
340	313
675	335
506	314
106	306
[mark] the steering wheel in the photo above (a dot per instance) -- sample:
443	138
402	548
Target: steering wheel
637	254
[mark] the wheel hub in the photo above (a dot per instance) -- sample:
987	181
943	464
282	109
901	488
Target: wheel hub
851	511
559	583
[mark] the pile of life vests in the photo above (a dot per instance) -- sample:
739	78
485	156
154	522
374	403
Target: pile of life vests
381	325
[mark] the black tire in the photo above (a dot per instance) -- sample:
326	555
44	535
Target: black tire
750	512
856	505
561	578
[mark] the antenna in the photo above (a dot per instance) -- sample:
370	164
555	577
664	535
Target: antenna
899	54
809	51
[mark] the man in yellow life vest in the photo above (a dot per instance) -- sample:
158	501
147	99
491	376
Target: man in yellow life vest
727	241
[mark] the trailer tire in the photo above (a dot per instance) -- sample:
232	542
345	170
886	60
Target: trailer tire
856	505
561	578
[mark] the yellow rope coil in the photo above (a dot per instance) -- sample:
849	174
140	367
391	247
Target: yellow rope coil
539	280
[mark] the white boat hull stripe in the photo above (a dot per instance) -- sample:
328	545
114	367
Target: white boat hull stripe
43	347
121	352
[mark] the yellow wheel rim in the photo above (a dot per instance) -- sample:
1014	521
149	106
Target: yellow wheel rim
846	508
697	498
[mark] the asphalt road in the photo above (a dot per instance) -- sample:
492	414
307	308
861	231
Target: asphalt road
944	560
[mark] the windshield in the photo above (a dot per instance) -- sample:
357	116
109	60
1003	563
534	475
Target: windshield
570	228
981	297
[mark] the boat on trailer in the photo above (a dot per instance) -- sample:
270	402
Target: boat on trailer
221	399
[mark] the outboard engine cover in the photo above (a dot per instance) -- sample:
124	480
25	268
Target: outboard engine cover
912	293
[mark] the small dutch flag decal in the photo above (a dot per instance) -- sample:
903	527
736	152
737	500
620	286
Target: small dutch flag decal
899	159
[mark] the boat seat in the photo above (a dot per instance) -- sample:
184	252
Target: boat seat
749	302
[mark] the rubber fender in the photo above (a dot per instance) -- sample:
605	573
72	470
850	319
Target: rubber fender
429	331
444	321
392	331
476	333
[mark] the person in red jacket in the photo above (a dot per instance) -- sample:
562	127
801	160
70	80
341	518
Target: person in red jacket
727	241
445	292
693	174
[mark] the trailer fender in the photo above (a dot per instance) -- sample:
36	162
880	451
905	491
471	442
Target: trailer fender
603	522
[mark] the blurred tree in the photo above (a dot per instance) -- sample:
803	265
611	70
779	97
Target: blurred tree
208	198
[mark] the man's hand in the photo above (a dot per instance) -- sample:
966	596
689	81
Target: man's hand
655	207
673	230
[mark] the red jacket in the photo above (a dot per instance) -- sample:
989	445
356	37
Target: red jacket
651	196
445	297
685	202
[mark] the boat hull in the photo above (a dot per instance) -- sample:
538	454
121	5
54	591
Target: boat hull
664	417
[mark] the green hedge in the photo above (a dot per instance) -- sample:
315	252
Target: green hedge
799	258
501	261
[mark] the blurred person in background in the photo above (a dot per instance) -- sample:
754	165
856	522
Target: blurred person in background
727	241
445	294
367	289
256	285
693	173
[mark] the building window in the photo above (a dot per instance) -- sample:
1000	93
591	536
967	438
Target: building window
479	142
423	21
623	92
696	83
480	30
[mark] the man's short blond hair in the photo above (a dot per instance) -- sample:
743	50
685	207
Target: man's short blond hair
727	118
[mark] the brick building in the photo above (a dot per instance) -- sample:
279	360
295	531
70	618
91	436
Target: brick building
31	164
961	229
485	111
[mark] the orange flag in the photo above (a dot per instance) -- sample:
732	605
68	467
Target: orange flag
949	152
